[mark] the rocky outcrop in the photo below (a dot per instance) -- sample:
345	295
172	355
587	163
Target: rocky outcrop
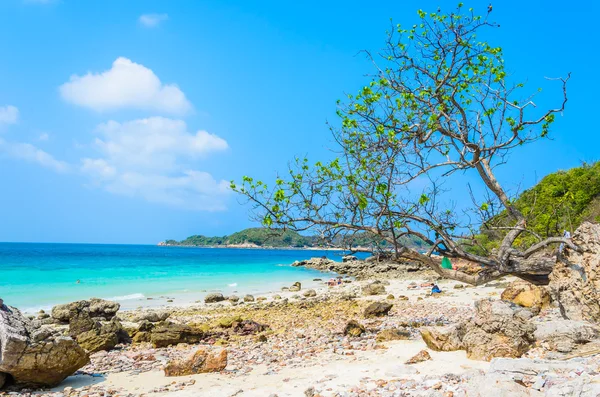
89	326
310	293
377	309
564	335
297	286
376	267
444	339
525	294
36	357
204	359
575	280
498	329
96	308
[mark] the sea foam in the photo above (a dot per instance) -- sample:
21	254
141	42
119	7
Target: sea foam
127	297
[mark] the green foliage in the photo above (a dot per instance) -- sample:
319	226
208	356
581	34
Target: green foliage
262	237
561	201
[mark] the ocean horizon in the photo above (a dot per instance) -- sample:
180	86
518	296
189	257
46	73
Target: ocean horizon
37	276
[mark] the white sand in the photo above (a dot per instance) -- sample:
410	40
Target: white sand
335	373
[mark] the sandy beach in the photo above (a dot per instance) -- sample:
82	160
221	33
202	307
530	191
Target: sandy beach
305	347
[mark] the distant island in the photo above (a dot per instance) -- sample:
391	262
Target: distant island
258	237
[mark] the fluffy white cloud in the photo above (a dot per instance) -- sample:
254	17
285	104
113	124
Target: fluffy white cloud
152	20
154	159
127	85
44	136
28	152
9	114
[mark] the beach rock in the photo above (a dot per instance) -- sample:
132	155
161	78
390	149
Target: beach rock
96	308
228	322
248	298
374	288
498	329
349	258
390	334
153	316
248	327
564	335
102	337
309	293
2	379
35	357
377	309
214	298
204	359
575	279
354	328
297	286
167	334
420	357
234	299
443	339
525	294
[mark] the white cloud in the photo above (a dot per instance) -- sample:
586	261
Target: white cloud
9	114
153	159
44	137
127	85
30	153
152	20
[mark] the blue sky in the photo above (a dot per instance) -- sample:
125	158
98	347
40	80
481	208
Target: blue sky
121	122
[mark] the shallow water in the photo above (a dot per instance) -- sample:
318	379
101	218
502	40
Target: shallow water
37	276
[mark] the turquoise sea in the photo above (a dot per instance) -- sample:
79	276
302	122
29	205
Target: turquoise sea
37	276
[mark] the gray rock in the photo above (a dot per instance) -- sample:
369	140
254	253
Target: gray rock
309	293
377	309
248	298
564	335
35	357
214	298
95	307
498	329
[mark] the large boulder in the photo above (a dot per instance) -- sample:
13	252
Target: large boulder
498	329
91	331
36	357
575	280
525	294
103	336
97	308
444	339
204	359
564	335
377	309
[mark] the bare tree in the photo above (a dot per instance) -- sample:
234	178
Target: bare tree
439	106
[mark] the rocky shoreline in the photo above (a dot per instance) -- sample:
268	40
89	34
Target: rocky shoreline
374	268
365	337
